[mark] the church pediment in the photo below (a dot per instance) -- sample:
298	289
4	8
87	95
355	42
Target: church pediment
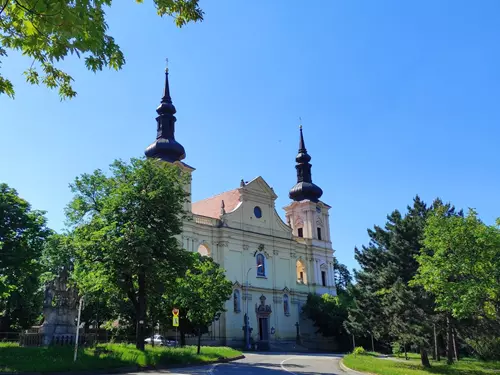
258	187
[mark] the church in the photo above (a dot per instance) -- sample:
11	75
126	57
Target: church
273	265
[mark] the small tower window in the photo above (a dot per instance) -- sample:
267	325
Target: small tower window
323	278
300	232
319	234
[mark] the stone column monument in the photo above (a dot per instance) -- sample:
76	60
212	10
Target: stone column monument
59	311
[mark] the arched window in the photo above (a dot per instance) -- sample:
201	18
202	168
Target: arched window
261	265
286	306
301	272
236	300
203	250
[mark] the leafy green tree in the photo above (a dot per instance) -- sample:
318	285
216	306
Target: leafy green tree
203	292
124	232
385	300
23	232
460	265
328	314
50	30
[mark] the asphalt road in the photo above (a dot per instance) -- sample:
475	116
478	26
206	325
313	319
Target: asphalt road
271	364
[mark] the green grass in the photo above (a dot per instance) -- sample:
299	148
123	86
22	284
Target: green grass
373	365
14	358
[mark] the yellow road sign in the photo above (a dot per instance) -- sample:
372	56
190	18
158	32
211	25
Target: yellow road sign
175	312
175	321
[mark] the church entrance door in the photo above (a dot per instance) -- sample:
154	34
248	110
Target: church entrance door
263	312
263	329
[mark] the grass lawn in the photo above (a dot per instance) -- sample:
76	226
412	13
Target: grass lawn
467	366
14	358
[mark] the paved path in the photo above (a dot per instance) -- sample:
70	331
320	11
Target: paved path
270	364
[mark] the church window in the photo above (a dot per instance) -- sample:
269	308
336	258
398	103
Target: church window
286	306
203	250
323	278
261	265
236	300
301	272
257	212
300	232
319	234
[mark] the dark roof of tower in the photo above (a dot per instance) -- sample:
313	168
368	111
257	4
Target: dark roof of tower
165	147
304	188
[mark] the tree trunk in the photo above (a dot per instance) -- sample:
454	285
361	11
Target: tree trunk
141	313
199	341
424	358
455	345
353	342
373	344
406	353
436	347
449	343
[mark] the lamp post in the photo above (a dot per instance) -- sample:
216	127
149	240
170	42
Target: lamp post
247	318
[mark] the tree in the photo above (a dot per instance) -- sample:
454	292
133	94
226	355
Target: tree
385	300
460	265
48	31
328	314
23	232
341	275
203	292
124	233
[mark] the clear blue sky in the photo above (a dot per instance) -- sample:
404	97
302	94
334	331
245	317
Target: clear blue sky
397	98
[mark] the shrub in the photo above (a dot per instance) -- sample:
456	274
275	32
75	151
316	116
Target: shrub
487	348
359	350
396	348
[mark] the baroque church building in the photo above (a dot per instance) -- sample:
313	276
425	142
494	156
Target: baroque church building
273	265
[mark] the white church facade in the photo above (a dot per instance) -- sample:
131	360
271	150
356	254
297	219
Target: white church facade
273	265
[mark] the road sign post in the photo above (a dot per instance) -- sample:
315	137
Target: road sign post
175	321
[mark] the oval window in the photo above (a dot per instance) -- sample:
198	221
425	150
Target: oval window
257	212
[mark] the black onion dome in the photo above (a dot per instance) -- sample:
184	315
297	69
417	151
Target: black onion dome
304	188
165	147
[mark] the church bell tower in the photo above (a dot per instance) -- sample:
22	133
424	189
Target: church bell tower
307	215
165	147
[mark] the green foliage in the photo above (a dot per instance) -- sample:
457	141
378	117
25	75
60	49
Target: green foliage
203	291
124	235
49	31
23	233
460	264
359	350
58	359
328	313
486	347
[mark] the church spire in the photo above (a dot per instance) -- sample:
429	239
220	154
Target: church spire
304	188
165	147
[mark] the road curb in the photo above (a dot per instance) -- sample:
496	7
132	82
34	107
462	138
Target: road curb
130	369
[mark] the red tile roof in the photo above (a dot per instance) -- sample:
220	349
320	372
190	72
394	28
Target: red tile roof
211	206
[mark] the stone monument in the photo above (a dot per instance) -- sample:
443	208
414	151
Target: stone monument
59	311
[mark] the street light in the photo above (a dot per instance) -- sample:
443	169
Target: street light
247	318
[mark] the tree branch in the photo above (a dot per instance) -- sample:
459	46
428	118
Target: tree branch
4	6
35	13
